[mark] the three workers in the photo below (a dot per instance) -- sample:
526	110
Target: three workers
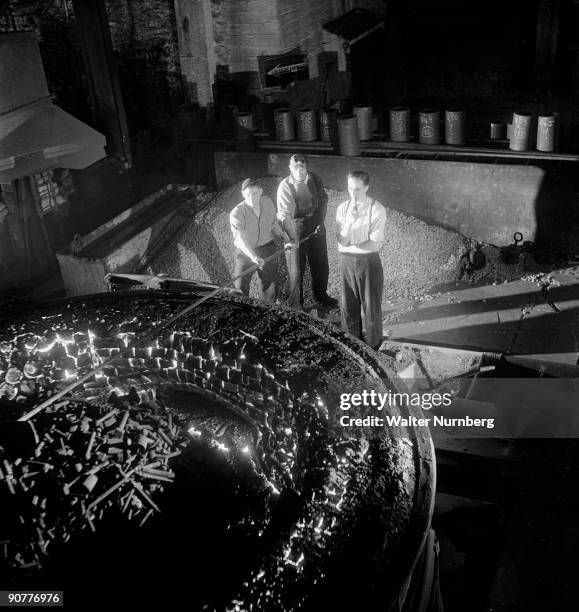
299	222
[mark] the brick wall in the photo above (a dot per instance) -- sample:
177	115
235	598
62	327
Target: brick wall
222	30
226	37
244	30
146	48
255	31
301	26
193	50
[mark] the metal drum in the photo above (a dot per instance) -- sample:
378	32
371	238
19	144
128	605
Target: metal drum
364	114
307	127
521	131
429	126
455	126
497	129
546	132
400	124
284	125
348	136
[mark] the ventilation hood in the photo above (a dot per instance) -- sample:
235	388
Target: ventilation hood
36	135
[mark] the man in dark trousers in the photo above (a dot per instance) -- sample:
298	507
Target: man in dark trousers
254	225
361	223
301	207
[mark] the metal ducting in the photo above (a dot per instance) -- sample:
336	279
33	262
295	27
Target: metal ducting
36	135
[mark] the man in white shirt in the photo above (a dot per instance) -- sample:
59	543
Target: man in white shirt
254	225
361	222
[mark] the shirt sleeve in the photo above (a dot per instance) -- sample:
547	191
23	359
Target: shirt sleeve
286	206
237	223
377	223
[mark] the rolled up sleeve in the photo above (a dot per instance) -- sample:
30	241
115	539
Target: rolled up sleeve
237	224
378	223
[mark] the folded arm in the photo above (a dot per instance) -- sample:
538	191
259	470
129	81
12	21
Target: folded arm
361	240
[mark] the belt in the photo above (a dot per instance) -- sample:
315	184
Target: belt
270	243
301	218
371	254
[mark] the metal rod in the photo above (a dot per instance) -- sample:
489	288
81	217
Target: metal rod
26	223
154	331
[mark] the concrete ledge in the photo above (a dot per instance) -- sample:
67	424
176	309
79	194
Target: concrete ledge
488	202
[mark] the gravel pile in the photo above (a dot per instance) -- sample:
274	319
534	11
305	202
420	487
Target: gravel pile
417	257
204	249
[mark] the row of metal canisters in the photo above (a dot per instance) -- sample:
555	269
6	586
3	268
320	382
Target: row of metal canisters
349	130
523	130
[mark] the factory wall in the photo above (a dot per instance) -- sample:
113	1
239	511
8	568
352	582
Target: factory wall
145	44
454	53
222	40
255	30
448	51
300	24
194	36
489	57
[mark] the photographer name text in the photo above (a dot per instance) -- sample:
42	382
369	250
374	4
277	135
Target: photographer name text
425	401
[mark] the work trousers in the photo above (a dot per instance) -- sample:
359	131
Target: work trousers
267	276
315	251
362	279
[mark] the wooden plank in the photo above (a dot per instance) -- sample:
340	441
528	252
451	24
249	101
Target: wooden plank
496	449
449	350
126	214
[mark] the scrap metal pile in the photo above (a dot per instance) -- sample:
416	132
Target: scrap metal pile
85	464
212	440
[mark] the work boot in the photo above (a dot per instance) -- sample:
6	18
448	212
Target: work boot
329	303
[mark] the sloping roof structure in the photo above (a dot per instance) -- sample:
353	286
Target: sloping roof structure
36	135
41	136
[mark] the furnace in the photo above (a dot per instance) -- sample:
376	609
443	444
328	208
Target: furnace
215	437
